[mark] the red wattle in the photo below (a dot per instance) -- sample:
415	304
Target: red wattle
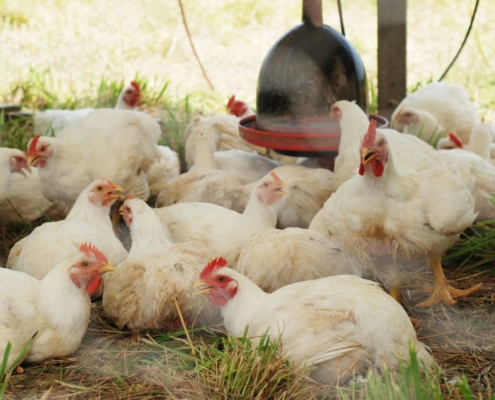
94	284
378	167
217	300
361	169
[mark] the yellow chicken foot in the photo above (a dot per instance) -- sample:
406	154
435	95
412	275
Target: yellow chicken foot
442	291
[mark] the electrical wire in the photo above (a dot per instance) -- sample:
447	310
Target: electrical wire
463	42
341	17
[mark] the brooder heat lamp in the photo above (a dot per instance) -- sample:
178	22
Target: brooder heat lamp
304	73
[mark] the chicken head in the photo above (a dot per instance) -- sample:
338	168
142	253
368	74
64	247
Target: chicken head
374	151
126	210
132	95
406	116
105	192
87	272
18	163
236	107
271	189
220	288
451	142
39	150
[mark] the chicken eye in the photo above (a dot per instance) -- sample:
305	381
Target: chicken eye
42	148
265	184
221	279
99	188
85	264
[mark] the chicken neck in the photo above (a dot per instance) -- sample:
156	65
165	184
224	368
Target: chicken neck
146	231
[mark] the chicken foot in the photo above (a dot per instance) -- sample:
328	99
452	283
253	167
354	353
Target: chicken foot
442	291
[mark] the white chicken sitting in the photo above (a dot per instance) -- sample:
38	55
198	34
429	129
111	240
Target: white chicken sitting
436	109
27	203
11	161
153	287
55	311
307	191
119	145
220	230
337	326
275	258
53	242
58	120
166	168
404	208
480	142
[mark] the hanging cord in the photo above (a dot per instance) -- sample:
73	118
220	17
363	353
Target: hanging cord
192	45
341	17
463	42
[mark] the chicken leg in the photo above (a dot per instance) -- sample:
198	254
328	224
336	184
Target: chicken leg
442	291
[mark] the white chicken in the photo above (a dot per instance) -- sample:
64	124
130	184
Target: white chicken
478	176
58	120
27	203
353	123
155	283
404	208
338	326
166	168
436	109
480	142
307	191
11	161
119	145
275	258
202	181
55	311
53	242
220	230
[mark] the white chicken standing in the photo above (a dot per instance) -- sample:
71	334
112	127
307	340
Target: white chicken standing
436	109
53	242
353	123
404	208
55	311
220	230
338	326
119	145
11	161
58	120
155	283
274	258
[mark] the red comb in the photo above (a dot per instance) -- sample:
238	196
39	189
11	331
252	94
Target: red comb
457	141
135	85
32	145
230	104
213	265
92	252
369	138
275	176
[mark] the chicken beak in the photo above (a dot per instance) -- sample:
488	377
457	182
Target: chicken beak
106	268
204	291
121	210
23	173
367	155
117	192
32	161
280	189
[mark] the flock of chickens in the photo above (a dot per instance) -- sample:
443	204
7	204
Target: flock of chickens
278	246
